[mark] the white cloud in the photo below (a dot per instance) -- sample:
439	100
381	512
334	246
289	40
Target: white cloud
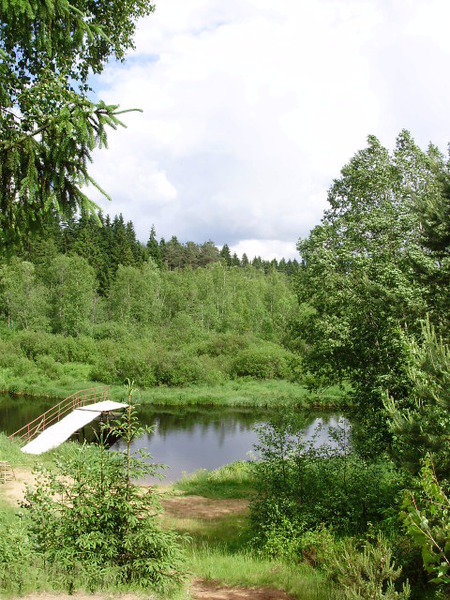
266	249
252	107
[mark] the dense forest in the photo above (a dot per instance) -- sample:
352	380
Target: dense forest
161	313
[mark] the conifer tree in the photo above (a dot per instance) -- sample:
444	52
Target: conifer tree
154	251
48	124
235	262
225	254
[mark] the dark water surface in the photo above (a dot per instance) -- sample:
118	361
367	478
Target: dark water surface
184	439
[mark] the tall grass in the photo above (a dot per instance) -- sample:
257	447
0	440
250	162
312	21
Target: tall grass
231	481
241	392
243	568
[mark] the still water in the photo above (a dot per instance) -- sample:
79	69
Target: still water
186	439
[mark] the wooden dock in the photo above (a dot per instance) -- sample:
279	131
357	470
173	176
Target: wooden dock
57	424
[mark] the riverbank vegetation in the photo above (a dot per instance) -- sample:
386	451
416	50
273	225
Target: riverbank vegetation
229	331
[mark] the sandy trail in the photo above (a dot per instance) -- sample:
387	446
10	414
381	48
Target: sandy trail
206	509
210	590
13	491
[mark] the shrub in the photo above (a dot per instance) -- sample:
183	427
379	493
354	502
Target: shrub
267	362
48	366
177	368
110	331
368	572
426	517
15	553
313	486
89	520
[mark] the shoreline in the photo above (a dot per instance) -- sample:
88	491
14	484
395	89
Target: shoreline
244	393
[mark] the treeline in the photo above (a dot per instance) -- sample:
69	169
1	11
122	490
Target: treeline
106	243
60	296
157	325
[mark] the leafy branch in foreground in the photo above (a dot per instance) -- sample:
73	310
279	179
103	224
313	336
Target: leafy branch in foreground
48	124
426	517
421	422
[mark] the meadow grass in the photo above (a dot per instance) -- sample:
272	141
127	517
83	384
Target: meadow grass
230	481
241	392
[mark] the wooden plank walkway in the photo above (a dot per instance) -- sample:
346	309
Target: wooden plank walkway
61	431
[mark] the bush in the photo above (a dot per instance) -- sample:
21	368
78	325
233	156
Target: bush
16	553
368	572
109	529
177	368
48	366
268	362
426	517
312	486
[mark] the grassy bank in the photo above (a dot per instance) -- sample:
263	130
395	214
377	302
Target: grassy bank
241	392
203	368
231	481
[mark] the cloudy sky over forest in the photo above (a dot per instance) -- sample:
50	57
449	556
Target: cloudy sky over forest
251	108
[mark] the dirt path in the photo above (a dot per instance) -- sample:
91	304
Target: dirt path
211	590
199	590
13	491
206	509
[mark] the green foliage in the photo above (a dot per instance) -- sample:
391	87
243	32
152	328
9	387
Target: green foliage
48	124
88	518
264	362
24	299
366	276
302	486
426	516
367	573
421	422
16	553
72	288
135	295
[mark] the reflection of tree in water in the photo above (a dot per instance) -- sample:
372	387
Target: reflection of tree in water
200	423
17	411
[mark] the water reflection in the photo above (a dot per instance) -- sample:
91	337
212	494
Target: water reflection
190	439
210	439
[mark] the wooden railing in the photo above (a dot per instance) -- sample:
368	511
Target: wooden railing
55	414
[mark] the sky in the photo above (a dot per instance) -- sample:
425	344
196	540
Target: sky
252	107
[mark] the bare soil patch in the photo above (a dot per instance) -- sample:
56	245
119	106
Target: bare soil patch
198	507
13	491
45	596
213	590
